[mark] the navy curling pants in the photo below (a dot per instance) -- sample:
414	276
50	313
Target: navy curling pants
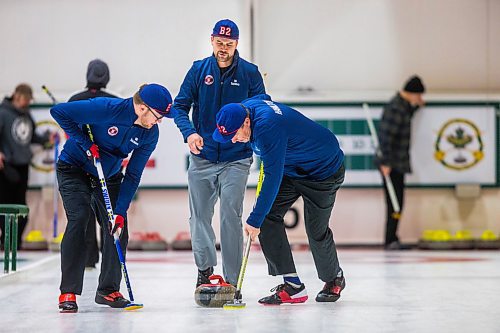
78	190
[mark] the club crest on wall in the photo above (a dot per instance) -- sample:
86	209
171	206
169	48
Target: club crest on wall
459	145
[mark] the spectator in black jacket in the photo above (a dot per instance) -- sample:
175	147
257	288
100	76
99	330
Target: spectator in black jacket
394	136
97	80
17	132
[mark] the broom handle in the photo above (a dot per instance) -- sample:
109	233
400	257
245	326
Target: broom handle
249	240
109	209
243	267
388	181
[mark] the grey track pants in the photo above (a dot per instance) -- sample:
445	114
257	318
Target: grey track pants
207	182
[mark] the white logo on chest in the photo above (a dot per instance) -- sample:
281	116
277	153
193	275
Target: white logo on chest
22	130
135	141
235	83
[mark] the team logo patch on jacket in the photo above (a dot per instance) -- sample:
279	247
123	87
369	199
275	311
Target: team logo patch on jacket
22	130
113	130
209	79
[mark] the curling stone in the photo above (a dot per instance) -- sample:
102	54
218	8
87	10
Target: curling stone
462	240
423	242
488	241
154	242
55	243
182	242
35	241
214	295
435	240
136	240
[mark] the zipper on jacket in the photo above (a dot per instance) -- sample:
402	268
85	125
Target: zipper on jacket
222	77
220	103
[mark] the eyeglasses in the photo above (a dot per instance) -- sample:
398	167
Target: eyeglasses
157	118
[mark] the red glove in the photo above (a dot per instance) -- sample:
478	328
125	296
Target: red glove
93	151
118	225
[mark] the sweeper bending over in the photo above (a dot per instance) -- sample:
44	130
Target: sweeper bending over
119	127
301	158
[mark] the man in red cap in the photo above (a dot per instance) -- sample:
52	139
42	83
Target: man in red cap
300	159
216	171
119	127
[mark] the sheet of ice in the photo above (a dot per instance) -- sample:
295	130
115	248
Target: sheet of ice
408	291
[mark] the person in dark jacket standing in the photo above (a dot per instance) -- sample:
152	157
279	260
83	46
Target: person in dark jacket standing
97	80
301	159
17	132
119	127
394	137
216	170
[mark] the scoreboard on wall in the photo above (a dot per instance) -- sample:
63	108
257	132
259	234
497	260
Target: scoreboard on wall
452	143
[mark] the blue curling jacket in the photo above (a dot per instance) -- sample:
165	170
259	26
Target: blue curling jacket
289	144
112	124
207	91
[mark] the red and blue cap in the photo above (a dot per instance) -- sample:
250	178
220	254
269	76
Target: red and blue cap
229	120
226	29
159	99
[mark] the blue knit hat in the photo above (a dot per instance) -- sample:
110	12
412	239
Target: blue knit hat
159	99
227	29
229	120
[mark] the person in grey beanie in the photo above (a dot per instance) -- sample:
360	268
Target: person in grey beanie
97	80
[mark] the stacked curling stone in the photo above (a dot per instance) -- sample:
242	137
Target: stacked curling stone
444	240
182	241
147	241
488	241
55	243
435	240
214	295
462	240
35	241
